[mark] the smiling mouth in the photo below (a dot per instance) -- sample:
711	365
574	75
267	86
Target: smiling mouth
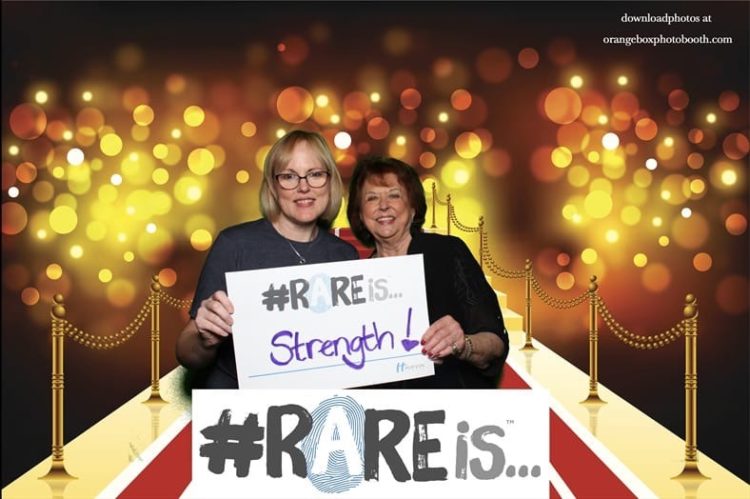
385	220
304	202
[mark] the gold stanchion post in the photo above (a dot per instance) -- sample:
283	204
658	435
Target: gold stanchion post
448	216
434	202
593	397
690	322
481	243
155	301
527	320
57	470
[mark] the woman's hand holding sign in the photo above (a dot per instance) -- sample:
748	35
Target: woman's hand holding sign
214	319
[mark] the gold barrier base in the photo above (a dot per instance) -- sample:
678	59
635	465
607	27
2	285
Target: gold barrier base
155	399
58	472
528	346
593	399
691	472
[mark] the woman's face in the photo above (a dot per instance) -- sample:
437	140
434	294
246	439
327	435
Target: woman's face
385	208
302	205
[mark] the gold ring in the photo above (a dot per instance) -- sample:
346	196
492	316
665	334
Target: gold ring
454	349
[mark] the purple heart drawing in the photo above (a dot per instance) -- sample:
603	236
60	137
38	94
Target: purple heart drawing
409	344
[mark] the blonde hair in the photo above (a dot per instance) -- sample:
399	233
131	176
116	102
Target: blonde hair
280	155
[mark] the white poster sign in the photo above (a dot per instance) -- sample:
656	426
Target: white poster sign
331	325
370	444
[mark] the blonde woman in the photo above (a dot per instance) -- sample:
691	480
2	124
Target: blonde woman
300	196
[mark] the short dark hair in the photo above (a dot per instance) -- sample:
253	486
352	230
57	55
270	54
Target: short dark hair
377	166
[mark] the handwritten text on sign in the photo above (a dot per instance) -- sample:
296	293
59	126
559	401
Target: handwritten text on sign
330	325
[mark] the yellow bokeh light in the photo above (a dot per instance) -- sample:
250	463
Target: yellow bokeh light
663	241
41	97
602	119
335	119
160	176
728	177
697	186
669	141
188	190
201	161
128	256
622	80
143	115
111	144
321	100
456	173
468	145
561	157
54	271
598	204
105	275
443	117
568	211
589	256
612	236
242	177
63	219
630	215
201	240
642	177
578	176
593	157
151	228
374	97
711	117
176	133
160	151
13	150
657	221
666	195
576	81
76	251
87	96
640	260
193	116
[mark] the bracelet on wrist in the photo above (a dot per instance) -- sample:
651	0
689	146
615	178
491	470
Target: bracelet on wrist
468	348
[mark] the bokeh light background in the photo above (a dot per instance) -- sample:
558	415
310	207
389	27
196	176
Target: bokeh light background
133	133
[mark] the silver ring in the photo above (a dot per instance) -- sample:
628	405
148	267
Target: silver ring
454	349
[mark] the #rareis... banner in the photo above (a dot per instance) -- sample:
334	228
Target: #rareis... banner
369	443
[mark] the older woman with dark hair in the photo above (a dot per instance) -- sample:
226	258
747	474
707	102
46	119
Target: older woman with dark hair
467	337
300	196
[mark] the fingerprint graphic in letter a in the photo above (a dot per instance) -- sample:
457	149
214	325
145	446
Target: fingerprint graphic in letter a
334	448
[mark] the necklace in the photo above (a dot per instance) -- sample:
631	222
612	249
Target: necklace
302	259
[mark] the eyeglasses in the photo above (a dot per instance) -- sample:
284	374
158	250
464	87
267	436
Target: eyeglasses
290	181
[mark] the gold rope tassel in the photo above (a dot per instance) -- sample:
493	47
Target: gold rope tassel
57	470
690	312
